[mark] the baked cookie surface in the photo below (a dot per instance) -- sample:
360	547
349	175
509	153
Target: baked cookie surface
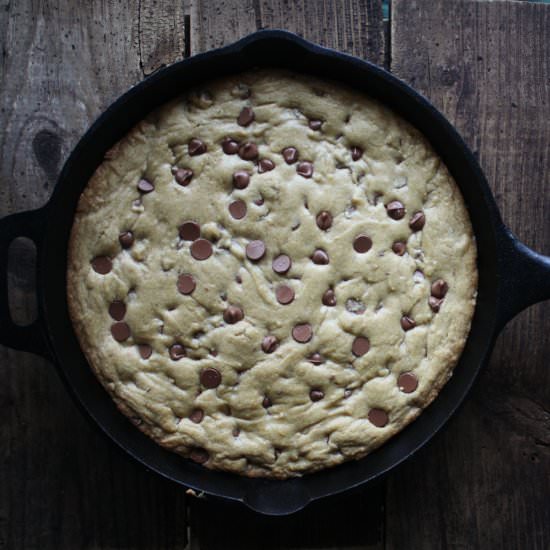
272	274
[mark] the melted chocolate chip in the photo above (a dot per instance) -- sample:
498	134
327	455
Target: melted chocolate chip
316	358
183	176
360	346
356	153
186	283
269	344
362	244
102	265
196	147
189	231
329	298
316	395
233	314
145	350
378	417
200	456
439	288
266	402
320	257
248	151
117	310
201	249
417	221
241	179
237	209
265	165
246	116
395	210
324	220
290	154
255	250
407	382
305	169
230	146
302	333
399	247
284	294
407	323
145	186
176	352
120	331
196	416
210	378
315	124
126	239
435	303
281	264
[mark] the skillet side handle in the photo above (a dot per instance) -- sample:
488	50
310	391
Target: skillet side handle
523	277
30	337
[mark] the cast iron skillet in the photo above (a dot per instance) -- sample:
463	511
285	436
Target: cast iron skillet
511	276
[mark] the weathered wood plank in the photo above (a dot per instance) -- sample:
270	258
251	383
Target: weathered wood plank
62	485
484	483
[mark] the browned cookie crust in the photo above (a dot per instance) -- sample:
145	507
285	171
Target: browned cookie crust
272	274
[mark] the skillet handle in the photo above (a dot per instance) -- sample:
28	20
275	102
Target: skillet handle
524	277
30	337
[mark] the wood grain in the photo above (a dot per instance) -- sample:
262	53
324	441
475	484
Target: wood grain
485	483
62	485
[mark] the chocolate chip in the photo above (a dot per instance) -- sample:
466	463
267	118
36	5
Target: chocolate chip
196	147
145	350
284	294
378	417
395	210
315	124
259	202
189	231
196	416
120	331
255	250
305	169
269	344
439	288
302	333
186	283
241	179
145	186
399	247
435	303
248	151
236	432
238	209
176	352
238	279
316	395
356	153
362	244
281	264
201	249
265	165
407	382
246	116
233	314
355	306
320	257
407	323
360	346
117	310
266	402
230	146
329	298
290	154
183	176
417	221
324	220
200	456
210	378
126	239
102	265
316	358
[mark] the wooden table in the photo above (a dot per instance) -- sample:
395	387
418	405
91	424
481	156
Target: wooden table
483	483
